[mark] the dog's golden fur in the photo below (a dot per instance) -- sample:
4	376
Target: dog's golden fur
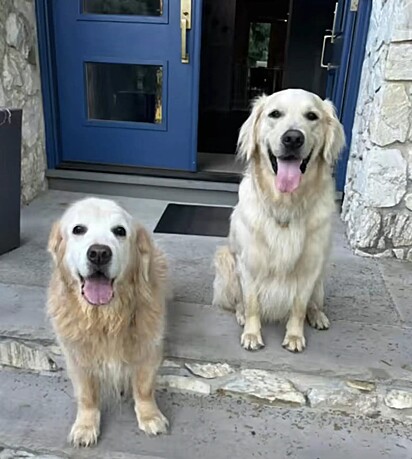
116	345
273	265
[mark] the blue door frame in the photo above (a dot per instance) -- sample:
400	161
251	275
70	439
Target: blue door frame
343	82
77	48
48	81
346	84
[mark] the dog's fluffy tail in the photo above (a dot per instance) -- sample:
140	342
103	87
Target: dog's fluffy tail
226	287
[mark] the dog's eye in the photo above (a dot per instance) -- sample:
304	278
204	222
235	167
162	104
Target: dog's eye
79	230
311	116
119	231
275	114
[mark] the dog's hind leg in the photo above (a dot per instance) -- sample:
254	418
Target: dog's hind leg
240	314
226	286
315	314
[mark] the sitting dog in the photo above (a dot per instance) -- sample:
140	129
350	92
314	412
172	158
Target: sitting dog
106	302
273	265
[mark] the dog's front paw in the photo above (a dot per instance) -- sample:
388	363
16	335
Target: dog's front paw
84	434
252	341
294	343
153	424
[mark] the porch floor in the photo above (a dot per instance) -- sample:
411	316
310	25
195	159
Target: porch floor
219	163
339	398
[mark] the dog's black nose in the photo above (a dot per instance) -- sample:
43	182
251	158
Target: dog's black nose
293	139
99	254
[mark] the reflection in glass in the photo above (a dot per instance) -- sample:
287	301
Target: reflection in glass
264	56
124	92
259	38
127	7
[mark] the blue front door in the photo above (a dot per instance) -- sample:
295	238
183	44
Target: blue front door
127	81
346	40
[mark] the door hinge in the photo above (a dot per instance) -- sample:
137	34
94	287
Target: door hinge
354	4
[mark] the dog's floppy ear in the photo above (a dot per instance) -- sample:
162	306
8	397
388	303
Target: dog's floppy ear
144	246
248	141
55	241
334	136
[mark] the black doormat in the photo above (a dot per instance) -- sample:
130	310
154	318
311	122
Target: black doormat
195	220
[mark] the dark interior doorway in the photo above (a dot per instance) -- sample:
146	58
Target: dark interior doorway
250	47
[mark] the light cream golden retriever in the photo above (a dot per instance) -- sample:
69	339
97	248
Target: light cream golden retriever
107	306
273	265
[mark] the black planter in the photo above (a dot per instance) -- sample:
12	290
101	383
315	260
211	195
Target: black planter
10	170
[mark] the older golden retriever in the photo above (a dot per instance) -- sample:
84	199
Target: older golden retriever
107	305
273	265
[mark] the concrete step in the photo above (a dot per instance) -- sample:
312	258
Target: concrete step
191	188
140	186
36	413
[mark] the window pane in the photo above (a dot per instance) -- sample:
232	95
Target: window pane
129	7
124	92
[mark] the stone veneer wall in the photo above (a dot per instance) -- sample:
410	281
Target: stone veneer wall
20	88
378	194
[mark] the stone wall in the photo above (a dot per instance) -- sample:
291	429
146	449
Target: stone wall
20	87
378	194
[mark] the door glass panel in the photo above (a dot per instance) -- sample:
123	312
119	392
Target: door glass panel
265	57
127	7
124	92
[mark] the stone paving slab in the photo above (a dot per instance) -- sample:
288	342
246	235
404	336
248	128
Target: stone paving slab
23	311
398	279
347	348
36	413
15	453
355	287
197	332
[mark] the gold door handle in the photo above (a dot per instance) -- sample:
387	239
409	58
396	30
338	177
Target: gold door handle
185	54
185	25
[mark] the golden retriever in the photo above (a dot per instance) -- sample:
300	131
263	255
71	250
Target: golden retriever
106	302
273	265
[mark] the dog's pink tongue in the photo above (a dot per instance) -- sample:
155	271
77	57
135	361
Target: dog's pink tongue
98	291
288	175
